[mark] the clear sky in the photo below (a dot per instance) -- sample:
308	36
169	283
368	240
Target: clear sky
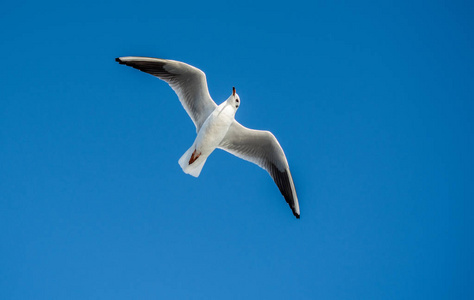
372	102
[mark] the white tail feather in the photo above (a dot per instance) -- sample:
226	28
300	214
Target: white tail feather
195	168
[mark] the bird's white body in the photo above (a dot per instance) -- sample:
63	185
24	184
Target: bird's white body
208	138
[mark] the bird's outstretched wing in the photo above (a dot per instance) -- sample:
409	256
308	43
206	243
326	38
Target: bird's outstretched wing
263	149
188	82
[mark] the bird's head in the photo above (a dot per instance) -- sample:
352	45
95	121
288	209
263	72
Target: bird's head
234	99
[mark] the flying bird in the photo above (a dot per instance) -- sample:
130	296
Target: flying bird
216	126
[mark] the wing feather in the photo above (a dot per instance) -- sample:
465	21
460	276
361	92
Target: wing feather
262	148
188	82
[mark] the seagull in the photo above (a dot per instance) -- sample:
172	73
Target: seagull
216	126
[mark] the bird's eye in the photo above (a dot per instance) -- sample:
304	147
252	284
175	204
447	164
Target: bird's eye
237	100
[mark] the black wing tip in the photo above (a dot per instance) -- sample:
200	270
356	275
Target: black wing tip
119	61
282	180
295	213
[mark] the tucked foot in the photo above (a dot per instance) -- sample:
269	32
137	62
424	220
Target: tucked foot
194	156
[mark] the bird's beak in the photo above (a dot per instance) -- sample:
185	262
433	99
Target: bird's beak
233	91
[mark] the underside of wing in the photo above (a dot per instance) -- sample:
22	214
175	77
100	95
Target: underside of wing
188	82
263	149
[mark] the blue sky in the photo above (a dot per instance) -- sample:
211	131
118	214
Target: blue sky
371	101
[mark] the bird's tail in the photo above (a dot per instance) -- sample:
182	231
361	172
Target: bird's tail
192	162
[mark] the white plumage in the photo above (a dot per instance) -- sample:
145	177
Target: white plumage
216	126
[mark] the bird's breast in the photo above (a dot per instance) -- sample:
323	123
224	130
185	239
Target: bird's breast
214	129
